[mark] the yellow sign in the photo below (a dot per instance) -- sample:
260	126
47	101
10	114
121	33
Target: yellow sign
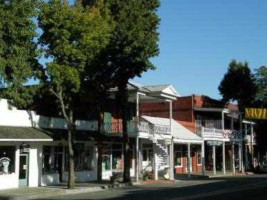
256	113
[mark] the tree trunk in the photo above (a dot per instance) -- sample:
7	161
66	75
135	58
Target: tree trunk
123	95
99	147
71	181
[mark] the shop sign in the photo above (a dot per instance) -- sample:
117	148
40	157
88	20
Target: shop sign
214	143
256	113
24	148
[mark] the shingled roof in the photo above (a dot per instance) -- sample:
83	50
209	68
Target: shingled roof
14	133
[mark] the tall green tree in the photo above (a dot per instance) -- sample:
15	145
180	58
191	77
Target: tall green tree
261	82
73	36
132	44
18	54
238	84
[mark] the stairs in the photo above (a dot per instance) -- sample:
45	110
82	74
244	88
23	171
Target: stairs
162	155
161	149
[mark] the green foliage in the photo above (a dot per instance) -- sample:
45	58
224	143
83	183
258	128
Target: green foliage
134	39
238	84
261	82
17	49
73	36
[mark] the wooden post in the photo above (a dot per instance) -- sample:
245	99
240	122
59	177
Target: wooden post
233	158
137	160
137	140
171	165
246	150
241	161
252	148
188	160
222	120
240	157
155	167
214	159
223	154
203	157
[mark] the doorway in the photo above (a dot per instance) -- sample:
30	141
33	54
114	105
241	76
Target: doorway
147	161
23	170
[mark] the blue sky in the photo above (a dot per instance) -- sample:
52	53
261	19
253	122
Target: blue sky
198	39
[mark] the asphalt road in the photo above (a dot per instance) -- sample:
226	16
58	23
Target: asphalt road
234	188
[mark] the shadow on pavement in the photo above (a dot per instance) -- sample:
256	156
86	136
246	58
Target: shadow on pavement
217	188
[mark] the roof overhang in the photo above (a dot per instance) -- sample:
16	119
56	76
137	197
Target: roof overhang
181	141
24	134
221	110
248	122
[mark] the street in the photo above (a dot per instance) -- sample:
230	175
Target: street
244	187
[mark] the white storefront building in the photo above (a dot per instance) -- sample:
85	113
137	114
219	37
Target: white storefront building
29	156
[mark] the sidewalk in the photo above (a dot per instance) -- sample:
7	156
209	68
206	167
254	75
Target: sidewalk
58	190
208	175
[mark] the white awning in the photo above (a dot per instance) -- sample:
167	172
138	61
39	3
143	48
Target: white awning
179	132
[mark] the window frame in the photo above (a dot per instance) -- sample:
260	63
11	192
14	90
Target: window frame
12	159
199	154
181	154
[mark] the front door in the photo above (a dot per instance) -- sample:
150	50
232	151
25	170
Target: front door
23	170
147	161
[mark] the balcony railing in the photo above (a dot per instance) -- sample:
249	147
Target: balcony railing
117	127
132	127
154	129
248	139
219	134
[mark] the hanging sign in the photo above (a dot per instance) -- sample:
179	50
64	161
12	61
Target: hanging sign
256	113
214	143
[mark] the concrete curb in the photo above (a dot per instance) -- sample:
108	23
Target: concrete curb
61	192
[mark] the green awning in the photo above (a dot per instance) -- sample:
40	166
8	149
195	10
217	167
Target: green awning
14	133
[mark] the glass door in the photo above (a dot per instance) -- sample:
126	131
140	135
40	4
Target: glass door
23	170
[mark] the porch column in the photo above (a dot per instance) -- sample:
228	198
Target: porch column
214	159
232	122
137	159
233	158
251	142
155	166
188	160
222	120
223	154
137	140
241	160
171	161
171	165
203	157
246	150
240	156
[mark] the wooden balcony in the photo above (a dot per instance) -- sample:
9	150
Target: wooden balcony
221	135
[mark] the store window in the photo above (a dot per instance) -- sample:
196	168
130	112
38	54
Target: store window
112	157
83	157
7	159
199	159
147	154
117	157
178	158
52	159
178	155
